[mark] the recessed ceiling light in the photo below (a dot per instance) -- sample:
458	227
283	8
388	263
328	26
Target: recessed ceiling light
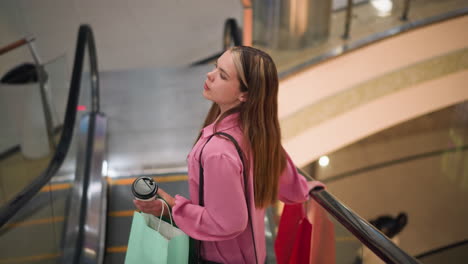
324	161
383	7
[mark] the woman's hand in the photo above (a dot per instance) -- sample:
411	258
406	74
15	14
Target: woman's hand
154	207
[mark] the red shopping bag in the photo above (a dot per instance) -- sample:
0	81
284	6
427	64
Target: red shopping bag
292	245
301	249
305	238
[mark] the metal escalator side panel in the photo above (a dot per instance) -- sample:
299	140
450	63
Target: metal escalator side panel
85	224
95	210
72	222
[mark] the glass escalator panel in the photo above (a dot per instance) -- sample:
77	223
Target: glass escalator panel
26	148
36	233
454	253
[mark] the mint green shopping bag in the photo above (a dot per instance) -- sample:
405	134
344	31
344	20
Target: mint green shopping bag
155	241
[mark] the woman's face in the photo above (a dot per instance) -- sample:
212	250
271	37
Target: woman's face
222	84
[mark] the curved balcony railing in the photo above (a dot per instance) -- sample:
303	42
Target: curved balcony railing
298	36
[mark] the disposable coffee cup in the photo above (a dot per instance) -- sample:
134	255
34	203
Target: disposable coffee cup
145	189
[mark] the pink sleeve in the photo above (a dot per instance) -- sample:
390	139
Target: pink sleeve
293	187
224	215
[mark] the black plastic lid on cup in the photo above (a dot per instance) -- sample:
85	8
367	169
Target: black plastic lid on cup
144	188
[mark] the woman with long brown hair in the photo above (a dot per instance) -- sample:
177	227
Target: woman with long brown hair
230	186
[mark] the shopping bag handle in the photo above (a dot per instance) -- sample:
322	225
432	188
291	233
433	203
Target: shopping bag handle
162	212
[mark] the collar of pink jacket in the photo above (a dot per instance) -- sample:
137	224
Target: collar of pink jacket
228	122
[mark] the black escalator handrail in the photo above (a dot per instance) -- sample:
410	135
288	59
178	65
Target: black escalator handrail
360	228
85	38
231	33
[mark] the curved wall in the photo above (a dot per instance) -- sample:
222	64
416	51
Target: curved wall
436	56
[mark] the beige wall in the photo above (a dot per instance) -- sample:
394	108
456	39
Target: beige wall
372	117
434	200
350	70
403	169
129	34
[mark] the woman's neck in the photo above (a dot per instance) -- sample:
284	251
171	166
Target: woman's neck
222	113
225	108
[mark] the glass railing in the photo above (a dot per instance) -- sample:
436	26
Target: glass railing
42	213
418	167
453	253
294	42
375	244
27	149
58	86
39	223
348	249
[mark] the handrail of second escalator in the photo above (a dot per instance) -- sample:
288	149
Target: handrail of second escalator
365	232
24	196
232	33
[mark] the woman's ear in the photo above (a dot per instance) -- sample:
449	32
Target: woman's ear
243	97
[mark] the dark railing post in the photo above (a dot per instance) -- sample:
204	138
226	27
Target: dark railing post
406	7
44	93
349	13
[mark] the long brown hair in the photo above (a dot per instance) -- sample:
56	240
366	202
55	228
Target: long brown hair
258	119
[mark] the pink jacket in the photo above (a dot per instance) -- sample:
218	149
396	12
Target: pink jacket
222	224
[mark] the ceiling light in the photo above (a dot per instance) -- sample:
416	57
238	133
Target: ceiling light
383	7
323	161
